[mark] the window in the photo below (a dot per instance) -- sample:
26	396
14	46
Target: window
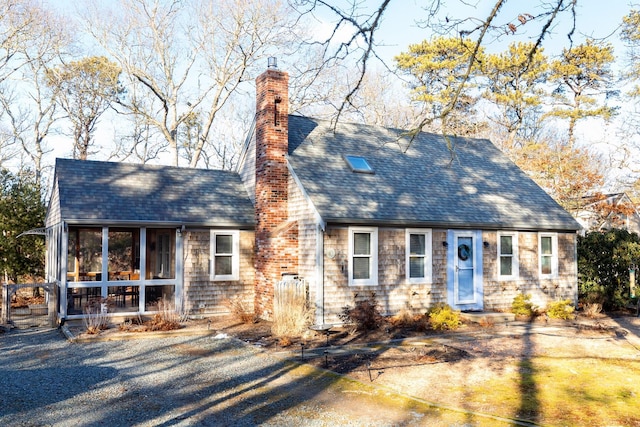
225	255
161	253
508	256
548	255
363	256
124	254
84	261
418	259
358	164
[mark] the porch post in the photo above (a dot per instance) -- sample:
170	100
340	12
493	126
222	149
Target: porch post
64	267
180	235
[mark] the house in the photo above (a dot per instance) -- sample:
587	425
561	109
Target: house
351	209
607	211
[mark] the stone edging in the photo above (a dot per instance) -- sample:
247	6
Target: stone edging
120	336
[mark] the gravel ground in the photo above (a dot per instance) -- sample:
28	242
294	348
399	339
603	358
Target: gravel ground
178	381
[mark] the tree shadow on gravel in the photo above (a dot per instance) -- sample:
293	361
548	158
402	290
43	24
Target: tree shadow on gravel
27	390
170	381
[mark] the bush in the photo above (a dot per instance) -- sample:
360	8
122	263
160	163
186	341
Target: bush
592	303
291	312
522	306
365	315
167	318
96	318
240	310
443	317
560	310
405	319
604	259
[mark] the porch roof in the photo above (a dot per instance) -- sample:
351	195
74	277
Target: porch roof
122	193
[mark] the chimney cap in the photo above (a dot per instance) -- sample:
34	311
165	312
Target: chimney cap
272	62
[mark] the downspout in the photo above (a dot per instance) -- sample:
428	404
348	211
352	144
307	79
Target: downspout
319	275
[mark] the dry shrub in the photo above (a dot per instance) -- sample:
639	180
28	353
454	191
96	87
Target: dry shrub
27	296
403	319
240	310
291	312
96	318
486	322
408	320
284	341
365	315
592	310
167	318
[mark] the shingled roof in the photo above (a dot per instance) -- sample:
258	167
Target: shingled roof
432	181
108	193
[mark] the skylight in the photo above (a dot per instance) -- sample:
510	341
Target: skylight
358	164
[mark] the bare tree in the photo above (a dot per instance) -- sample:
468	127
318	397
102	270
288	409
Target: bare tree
85	89
34	39
363	24
182	60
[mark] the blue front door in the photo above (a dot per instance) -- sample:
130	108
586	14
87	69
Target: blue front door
465	269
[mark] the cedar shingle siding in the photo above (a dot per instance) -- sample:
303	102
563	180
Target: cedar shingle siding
293	199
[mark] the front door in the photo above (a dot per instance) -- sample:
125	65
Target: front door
465	270
464	289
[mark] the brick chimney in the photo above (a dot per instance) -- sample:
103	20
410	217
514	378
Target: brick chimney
276	237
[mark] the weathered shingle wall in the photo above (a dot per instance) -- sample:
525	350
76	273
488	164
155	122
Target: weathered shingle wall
393	292
206	297
302	212
53	214
247	169
499	294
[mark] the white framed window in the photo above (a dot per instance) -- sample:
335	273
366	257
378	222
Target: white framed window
508	265
548	255
225	255
363	256
418	255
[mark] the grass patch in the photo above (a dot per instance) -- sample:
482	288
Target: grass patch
564	391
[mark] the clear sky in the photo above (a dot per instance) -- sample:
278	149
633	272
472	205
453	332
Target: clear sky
599	19
595	18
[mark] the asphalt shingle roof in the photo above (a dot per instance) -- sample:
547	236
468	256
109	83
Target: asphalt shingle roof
430	182
108	192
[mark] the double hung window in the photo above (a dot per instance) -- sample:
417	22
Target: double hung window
225	255
418	255
548	255
363	256
508	256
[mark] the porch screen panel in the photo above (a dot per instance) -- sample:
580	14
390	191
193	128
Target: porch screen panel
158	298
84	257
161	253
124	254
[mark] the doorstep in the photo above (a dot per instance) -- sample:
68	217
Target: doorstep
489	317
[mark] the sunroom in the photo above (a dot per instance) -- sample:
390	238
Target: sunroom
116	232
129	269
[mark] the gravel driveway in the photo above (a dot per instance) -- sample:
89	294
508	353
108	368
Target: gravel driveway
182	380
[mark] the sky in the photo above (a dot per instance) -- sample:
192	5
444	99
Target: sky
594	18
598	19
